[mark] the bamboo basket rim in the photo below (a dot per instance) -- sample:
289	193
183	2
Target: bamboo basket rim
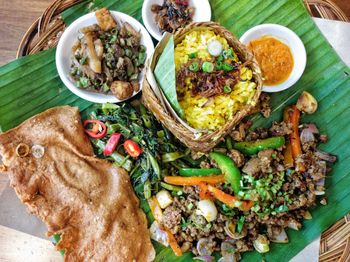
46	30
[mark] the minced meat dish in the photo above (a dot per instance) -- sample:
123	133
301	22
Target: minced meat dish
272	176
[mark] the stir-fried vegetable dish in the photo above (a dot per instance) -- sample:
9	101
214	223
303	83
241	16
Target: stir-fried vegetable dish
108	57
239	197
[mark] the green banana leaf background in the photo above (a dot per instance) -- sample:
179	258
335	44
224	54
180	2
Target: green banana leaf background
31	84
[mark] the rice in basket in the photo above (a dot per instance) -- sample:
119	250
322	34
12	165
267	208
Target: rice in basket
212	84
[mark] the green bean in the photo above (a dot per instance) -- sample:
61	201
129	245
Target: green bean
154	164
170	187
228	142
169	157
147	189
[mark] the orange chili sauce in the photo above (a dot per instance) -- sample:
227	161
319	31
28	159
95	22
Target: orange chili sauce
275	59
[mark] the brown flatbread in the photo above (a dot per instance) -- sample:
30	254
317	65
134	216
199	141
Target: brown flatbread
87	200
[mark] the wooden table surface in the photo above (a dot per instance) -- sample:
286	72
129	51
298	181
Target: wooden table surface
16	16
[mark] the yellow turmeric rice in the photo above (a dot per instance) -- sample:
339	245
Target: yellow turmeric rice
213	112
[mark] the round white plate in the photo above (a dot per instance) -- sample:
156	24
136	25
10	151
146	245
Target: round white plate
64	53
202	13
289	38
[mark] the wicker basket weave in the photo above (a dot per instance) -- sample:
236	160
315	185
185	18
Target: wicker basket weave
46	30
206	141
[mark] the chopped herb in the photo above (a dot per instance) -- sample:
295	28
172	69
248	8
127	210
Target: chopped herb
227	89
194	67
189	206
193	55
208	67
228	53
184	223
227	67
282	208
240	224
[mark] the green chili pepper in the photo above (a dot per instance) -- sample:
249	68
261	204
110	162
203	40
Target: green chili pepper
199	171
227	67
192	55
208	67
253	147
194	67
227	89
229	169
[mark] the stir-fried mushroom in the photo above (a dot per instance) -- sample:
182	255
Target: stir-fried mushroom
94	61
106	53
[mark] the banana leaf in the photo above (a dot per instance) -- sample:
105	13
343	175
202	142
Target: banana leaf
30	85
165	75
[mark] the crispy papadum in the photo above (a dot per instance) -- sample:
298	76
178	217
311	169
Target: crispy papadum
87	200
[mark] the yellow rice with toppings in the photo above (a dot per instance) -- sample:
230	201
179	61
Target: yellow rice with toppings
214	112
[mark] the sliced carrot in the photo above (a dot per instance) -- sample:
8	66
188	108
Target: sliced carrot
204	192
222	196
193	181
294	137
173	243
229	200
288	158
247	205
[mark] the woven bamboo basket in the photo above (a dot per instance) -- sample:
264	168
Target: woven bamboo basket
46	30
206	141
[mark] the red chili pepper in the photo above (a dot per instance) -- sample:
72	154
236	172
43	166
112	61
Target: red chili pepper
132	148
111	144
98	130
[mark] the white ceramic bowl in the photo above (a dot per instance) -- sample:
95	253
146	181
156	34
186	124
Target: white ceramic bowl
202	13
64	53
288	37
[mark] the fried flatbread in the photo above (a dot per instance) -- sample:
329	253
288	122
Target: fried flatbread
87	200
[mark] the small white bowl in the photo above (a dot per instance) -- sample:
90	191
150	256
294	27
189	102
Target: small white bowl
289	38
64	54
202	13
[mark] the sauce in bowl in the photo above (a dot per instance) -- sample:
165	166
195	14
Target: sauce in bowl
275	59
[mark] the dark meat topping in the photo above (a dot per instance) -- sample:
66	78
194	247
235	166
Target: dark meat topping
207	84
172	14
